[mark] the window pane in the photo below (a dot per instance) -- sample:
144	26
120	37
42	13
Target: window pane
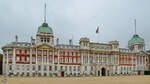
44	39
23	59
48	40
18	59
39	67
66	60
66	53
50	68
70	59
41	39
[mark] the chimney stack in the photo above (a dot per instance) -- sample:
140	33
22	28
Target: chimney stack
32	41
57	41
70	42
16	38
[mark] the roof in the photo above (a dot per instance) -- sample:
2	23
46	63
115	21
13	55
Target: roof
67	46
135	39
148	52
125	50
18	44
44	28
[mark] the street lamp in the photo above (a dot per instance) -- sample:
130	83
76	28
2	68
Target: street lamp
36	73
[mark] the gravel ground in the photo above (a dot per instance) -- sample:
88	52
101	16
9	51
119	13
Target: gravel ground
78	80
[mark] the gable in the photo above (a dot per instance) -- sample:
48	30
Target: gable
44	46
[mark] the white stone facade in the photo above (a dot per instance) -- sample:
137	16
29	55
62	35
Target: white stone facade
41	57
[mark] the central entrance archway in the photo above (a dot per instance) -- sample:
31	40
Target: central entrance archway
103	70
62	74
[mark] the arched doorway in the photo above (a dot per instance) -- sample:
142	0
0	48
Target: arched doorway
62	74
99	73
139	73
103	70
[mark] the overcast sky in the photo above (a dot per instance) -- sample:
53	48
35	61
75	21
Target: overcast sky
75	18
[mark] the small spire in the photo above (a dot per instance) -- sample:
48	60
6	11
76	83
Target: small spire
45	14
135	25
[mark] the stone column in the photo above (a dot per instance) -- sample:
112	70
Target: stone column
93	58
58	63
4	65
147	64
99	58
58	60
42	64
132	57
47	63
82	58
142	60
145	61
139	60
53	58
88	58
136	60
14	61
88	67
30	63
106	59
36	62
7	71
111	59
82	62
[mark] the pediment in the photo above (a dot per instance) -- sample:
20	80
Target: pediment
44	46
141	53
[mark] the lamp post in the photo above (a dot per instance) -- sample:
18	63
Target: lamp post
36	73
12	72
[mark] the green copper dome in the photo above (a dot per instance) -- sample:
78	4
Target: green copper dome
135	39
45	29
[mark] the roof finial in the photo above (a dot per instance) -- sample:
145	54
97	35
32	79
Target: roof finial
45	14
135	25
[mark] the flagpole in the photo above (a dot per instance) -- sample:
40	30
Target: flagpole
135	25
72	39
98	37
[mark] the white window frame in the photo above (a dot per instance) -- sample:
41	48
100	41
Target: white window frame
23	59
66	59
17	59
70	59
74	60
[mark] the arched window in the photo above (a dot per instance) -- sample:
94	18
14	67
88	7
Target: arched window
48	40
42	40
45	39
